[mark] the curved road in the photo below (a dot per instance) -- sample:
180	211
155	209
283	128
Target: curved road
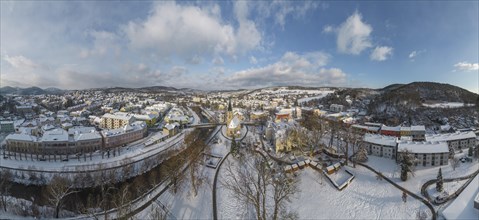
215	209
426	202
454	195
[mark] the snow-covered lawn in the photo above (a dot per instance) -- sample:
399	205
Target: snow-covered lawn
365	198
184	205
449	188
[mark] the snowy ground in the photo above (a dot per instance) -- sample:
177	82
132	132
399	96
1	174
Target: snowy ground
322	95
463	206
365	198
449	188
184	205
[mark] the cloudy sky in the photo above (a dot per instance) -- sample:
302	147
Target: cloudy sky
230	45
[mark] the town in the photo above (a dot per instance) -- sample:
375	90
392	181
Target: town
162	148
239	109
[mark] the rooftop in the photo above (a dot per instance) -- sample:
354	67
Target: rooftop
423	147
56	134
380	139
450	136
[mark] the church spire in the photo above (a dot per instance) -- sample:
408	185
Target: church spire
229	106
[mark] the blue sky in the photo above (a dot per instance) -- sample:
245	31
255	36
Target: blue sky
231	45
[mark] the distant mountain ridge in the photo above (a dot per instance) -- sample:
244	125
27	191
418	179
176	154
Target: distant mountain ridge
30	90
404	97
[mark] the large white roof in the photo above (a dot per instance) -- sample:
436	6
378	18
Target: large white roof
418	128
56	134
450	136
423	147
118	116
380	139
387	128
21	137
87	136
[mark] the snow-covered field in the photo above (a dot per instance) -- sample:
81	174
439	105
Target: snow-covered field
322	95
365	198
447	105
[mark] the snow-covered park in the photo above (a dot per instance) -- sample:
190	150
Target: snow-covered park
366	197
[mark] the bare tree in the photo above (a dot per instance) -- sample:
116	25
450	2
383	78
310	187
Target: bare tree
283	187
122	201
455	162
251	182
5	185
58	189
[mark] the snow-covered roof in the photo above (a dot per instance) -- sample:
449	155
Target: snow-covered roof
21	137
81	129
118	116
387	128
418	128
87	136
235	122
369	128
450	136
170	126
138	125
380	139
56	134
423	147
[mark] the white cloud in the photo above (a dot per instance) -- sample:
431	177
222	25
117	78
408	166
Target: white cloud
466	66
328	29
218	61
292	69
354	35
253	60
173	29
280	11
413	54
381	53
104	43
21	62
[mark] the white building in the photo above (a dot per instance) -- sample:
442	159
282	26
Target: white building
380	145
426	153
456	141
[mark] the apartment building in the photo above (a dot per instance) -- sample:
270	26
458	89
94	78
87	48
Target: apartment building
425	153
380	145
121	136
455	141
115	121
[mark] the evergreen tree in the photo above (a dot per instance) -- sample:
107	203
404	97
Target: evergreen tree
234	147
406	164
440	181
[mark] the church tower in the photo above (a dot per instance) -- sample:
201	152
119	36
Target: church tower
229	113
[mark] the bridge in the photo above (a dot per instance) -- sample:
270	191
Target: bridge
212	125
